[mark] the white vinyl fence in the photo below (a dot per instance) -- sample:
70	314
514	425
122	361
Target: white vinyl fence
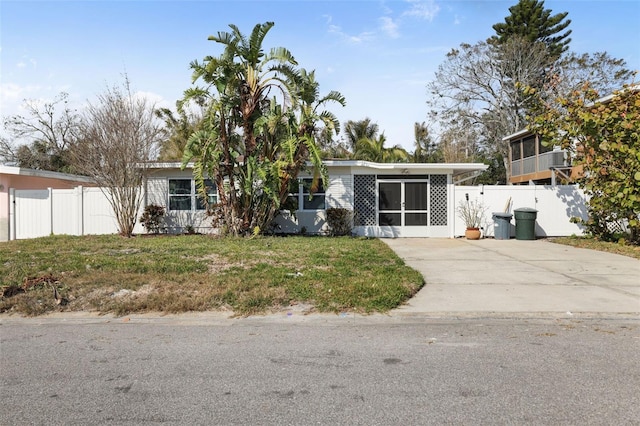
78	211
556	206
85	211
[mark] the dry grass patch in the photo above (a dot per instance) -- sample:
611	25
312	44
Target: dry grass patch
198	273
621	248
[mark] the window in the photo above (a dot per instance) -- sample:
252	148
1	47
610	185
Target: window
529	147
212	195
304	196
183	195
312	194
544	148
292	202
180	194
515	150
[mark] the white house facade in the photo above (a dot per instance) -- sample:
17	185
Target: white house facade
387	200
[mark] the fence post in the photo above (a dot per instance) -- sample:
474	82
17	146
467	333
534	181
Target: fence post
12	214
80	209
50	210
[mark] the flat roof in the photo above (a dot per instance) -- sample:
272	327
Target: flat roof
21	171
455	168
517	134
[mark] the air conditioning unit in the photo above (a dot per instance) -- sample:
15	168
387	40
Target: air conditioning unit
557	159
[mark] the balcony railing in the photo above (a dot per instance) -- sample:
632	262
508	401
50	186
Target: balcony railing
539	163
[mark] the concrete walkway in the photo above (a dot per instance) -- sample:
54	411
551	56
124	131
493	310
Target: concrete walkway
513	276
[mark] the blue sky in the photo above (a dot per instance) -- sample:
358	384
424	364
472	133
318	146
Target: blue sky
379	54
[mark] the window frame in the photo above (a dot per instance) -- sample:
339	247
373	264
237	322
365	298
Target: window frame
195	203
529	147
308	198
300	199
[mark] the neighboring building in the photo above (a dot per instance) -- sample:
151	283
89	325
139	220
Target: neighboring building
388	200
15	179
533	162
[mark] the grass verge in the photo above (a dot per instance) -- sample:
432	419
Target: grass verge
172	274
593	244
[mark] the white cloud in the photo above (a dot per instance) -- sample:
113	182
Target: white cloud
153	98
385	9
423	9
456	20
389	27
24	61
14	92
354	39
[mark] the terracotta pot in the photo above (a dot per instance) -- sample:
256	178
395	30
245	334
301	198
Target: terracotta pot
472	233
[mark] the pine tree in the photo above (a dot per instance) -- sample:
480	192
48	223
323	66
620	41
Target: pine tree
529	19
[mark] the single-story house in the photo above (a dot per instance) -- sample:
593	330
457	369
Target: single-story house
387	199
17	178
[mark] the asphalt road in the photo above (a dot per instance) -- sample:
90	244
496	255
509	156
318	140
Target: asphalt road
322	370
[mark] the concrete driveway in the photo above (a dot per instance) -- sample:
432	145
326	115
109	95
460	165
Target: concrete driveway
513	276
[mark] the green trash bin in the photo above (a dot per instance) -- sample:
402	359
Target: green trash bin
525	223
501	225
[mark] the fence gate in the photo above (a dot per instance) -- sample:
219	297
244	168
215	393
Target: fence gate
32	213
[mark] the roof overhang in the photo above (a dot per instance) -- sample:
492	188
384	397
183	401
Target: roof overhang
166	165
447	168
452	168
20	171
517	134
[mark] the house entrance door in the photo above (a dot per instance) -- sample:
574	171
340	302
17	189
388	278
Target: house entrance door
403	205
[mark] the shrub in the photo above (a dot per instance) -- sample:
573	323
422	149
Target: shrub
340	221
152	218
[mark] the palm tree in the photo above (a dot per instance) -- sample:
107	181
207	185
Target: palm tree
374	150
258	130
426	150
356	130
178	128
309	104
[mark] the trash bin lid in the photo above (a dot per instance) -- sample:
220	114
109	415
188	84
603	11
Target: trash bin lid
502	214
526	210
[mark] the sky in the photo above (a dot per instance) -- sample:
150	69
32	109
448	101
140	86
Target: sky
379	54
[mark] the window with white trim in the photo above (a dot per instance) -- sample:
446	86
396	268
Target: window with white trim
305	195
183	195
312	193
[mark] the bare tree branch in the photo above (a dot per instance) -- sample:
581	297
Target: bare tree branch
120	135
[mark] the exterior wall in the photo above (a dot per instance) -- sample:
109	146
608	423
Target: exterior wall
176	221
340	192
556	206
343	190
83	211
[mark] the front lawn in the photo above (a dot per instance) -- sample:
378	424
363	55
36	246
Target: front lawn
172	274
594	244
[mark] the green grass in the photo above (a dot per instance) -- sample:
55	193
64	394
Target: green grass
111	274
622	248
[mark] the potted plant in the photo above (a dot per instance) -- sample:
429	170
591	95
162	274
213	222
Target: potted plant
472	214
